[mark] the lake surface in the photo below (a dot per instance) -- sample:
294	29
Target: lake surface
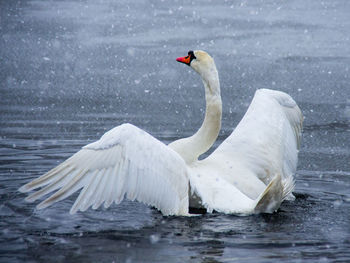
71	70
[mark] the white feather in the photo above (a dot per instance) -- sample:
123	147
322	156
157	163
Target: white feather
113	160
264	143
250	172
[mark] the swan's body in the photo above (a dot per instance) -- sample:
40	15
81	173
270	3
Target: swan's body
250	172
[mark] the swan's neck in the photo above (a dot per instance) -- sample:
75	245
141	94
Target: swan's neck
192	147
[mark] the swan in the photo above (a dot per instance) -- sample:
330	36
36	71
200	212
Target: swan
250	172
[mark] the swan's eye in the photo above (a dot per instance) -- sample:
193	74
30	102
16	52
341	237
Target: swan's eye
191	55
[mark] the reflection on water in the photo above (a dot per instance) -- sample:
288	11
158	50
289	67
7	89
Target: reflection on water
71	70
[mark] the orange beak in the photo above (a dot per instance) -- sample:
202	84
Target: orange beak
186	60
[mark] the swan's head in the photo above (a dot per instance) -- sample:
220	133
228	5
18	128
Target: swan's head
200	61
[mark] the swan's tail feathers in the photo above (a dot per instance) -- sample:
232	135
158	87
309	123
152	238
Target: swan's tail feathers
288	187
270	200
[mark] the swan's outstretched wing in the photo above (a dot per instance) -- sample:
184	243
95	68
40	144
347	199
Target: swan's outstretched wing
267	139
126	161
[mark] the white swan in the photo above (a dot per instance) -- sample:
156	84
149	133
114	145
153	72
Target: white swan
250	172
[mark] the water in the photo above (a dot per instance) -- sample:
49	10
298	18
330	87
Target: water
71	70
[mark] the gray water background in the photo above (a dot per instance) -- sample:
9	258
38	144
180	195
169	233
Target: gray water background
71	70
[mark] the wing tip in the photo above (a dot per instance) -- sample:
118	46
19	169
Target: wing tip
28	186
73	210
24	189
43	205
30	199
288	188
270	200
283	98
